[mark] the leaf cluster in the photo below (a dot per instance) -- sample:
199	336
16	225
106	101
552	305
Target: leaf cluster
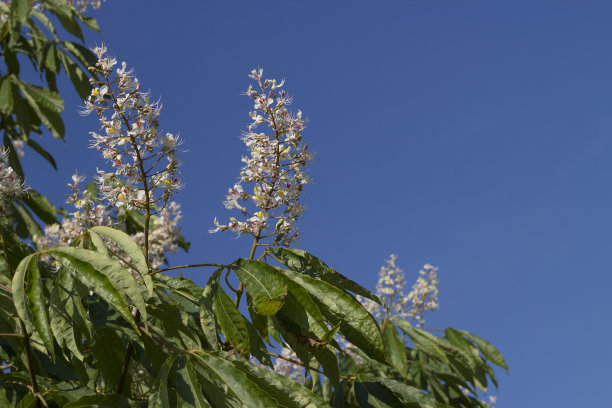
100	330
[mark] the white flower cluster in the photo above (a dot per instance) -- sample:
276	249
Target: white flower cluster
164	234
287	368
145	162
89	212
11	185
82	5
275	167
390	288
164	230
424	294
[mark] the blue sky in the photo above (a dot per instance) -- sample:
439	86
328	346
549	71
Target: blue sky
475	136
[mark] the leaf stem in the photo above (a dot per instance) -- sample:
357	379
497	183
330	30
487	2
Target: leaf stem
186	266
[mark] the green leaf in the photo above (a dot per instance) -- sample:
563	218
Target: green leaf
120	278
487	349
91	269
125	242
207	314
37	304
396	349
287	392
158	398
357	325
235	380
109	354
44	97
20	9
18	289
41	206
38	149
97	400
62	325
409	394
98	243
26	225
425	341
50	103
257	345
65	13
230	320
78	77
263	283
189	389
303	262
6	96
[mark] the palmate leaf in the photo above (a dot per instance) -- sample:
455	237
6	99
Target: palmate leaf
303	262
265	286
356	324
93	278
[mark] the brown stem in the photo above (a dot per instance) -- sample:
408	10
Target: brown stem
292	361
12	335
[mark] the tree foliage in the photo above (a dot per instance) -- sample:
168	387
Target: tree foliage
95	324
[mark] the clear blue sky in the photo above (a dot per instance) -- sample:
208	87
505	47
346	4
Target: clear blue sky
472	135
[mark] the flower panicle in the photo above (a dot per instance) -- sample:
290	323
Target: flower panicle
275	166
390	288
12	187
145	163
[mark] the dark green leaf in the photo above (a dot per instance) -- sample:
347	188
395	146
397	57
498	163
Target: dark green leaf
396	349
26	225
120	278
207	315
226	372
38	149
94	279
6	96
487	349
230	320
158	398
425	341
189	388
20	9
357	325
263	283
258	347
303	262
41	206
37	304
18	289
109	354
